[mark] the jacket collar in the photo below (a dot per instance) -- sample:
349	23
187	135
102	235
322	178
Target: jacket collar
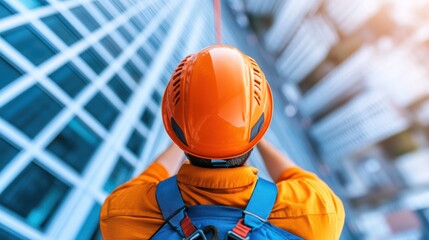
217	178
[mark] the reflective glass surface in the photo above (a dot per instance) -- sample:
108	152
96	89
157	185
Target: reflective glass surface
31	111
34	195
69	78
120	88
85	17
8	151
75	145
61	27
102	110
37	52
94	60
90	229
136	143
120	174
9	72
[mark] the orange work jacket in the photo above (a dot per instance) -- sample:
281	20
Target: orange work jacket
305	205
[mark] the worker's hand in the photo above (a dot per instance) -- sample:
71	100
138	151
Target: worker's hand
171	159
275	161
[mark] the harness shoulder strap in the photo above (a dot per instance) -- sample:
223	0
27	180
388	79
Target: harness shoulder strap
257	210
260	204
172	207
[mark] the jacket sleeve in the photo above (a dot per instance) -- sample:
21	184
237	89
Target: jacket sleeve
118	217
307	207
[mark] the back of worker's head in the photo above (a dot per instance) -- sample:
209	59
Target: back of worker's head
217	105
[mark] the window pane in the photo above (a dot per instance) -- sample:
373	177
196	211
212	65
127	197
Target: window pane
37	52
144	56
154	42
111	46
60	26
136	143
36	204
125	34
137	24
90	229
148	117
5	11
156	97
103	10
8	234
102	110
85	18
94	60
120	88
8	151
134	72
31	111
8	72
69	79
120	174
119	6
75	145
34	3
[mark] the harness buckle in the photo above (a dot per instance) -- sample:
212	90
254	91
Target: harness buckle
197	235
234	236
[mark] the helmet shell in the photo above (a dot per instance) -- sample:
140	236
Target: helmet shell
217	104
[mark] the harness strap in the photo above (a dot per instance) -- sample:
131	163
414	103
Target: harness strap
257	211
173	208
261	203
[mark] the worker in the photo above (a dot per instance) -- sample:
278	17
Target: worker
216	109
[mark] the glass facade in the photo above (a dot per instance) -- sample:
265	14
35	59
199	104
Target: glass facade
80	95
37	204
28	117
70	79
82	112
75	145
38	51
9	72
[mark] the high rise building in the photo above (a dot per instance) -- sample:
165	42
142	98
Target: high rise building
80	91
355	72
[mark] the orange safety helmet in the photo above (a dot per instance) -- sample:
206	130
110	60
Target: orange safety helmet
218	104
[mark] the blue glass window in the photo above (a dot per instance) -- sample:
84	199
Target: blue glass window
94	60
119	6
136	143
156	97
8	234
8	152
148	117
69	78
37	52
134	72
8	72
120	88
5	10
137	24
36	204
83	15
102	110
111	46
34	3
103	10
90	229
120	174
60	26
154	42
75	145
144	56
125	34
31	111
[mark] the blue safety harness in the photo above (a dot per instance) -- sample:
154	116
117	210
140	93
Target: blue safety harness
218	222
